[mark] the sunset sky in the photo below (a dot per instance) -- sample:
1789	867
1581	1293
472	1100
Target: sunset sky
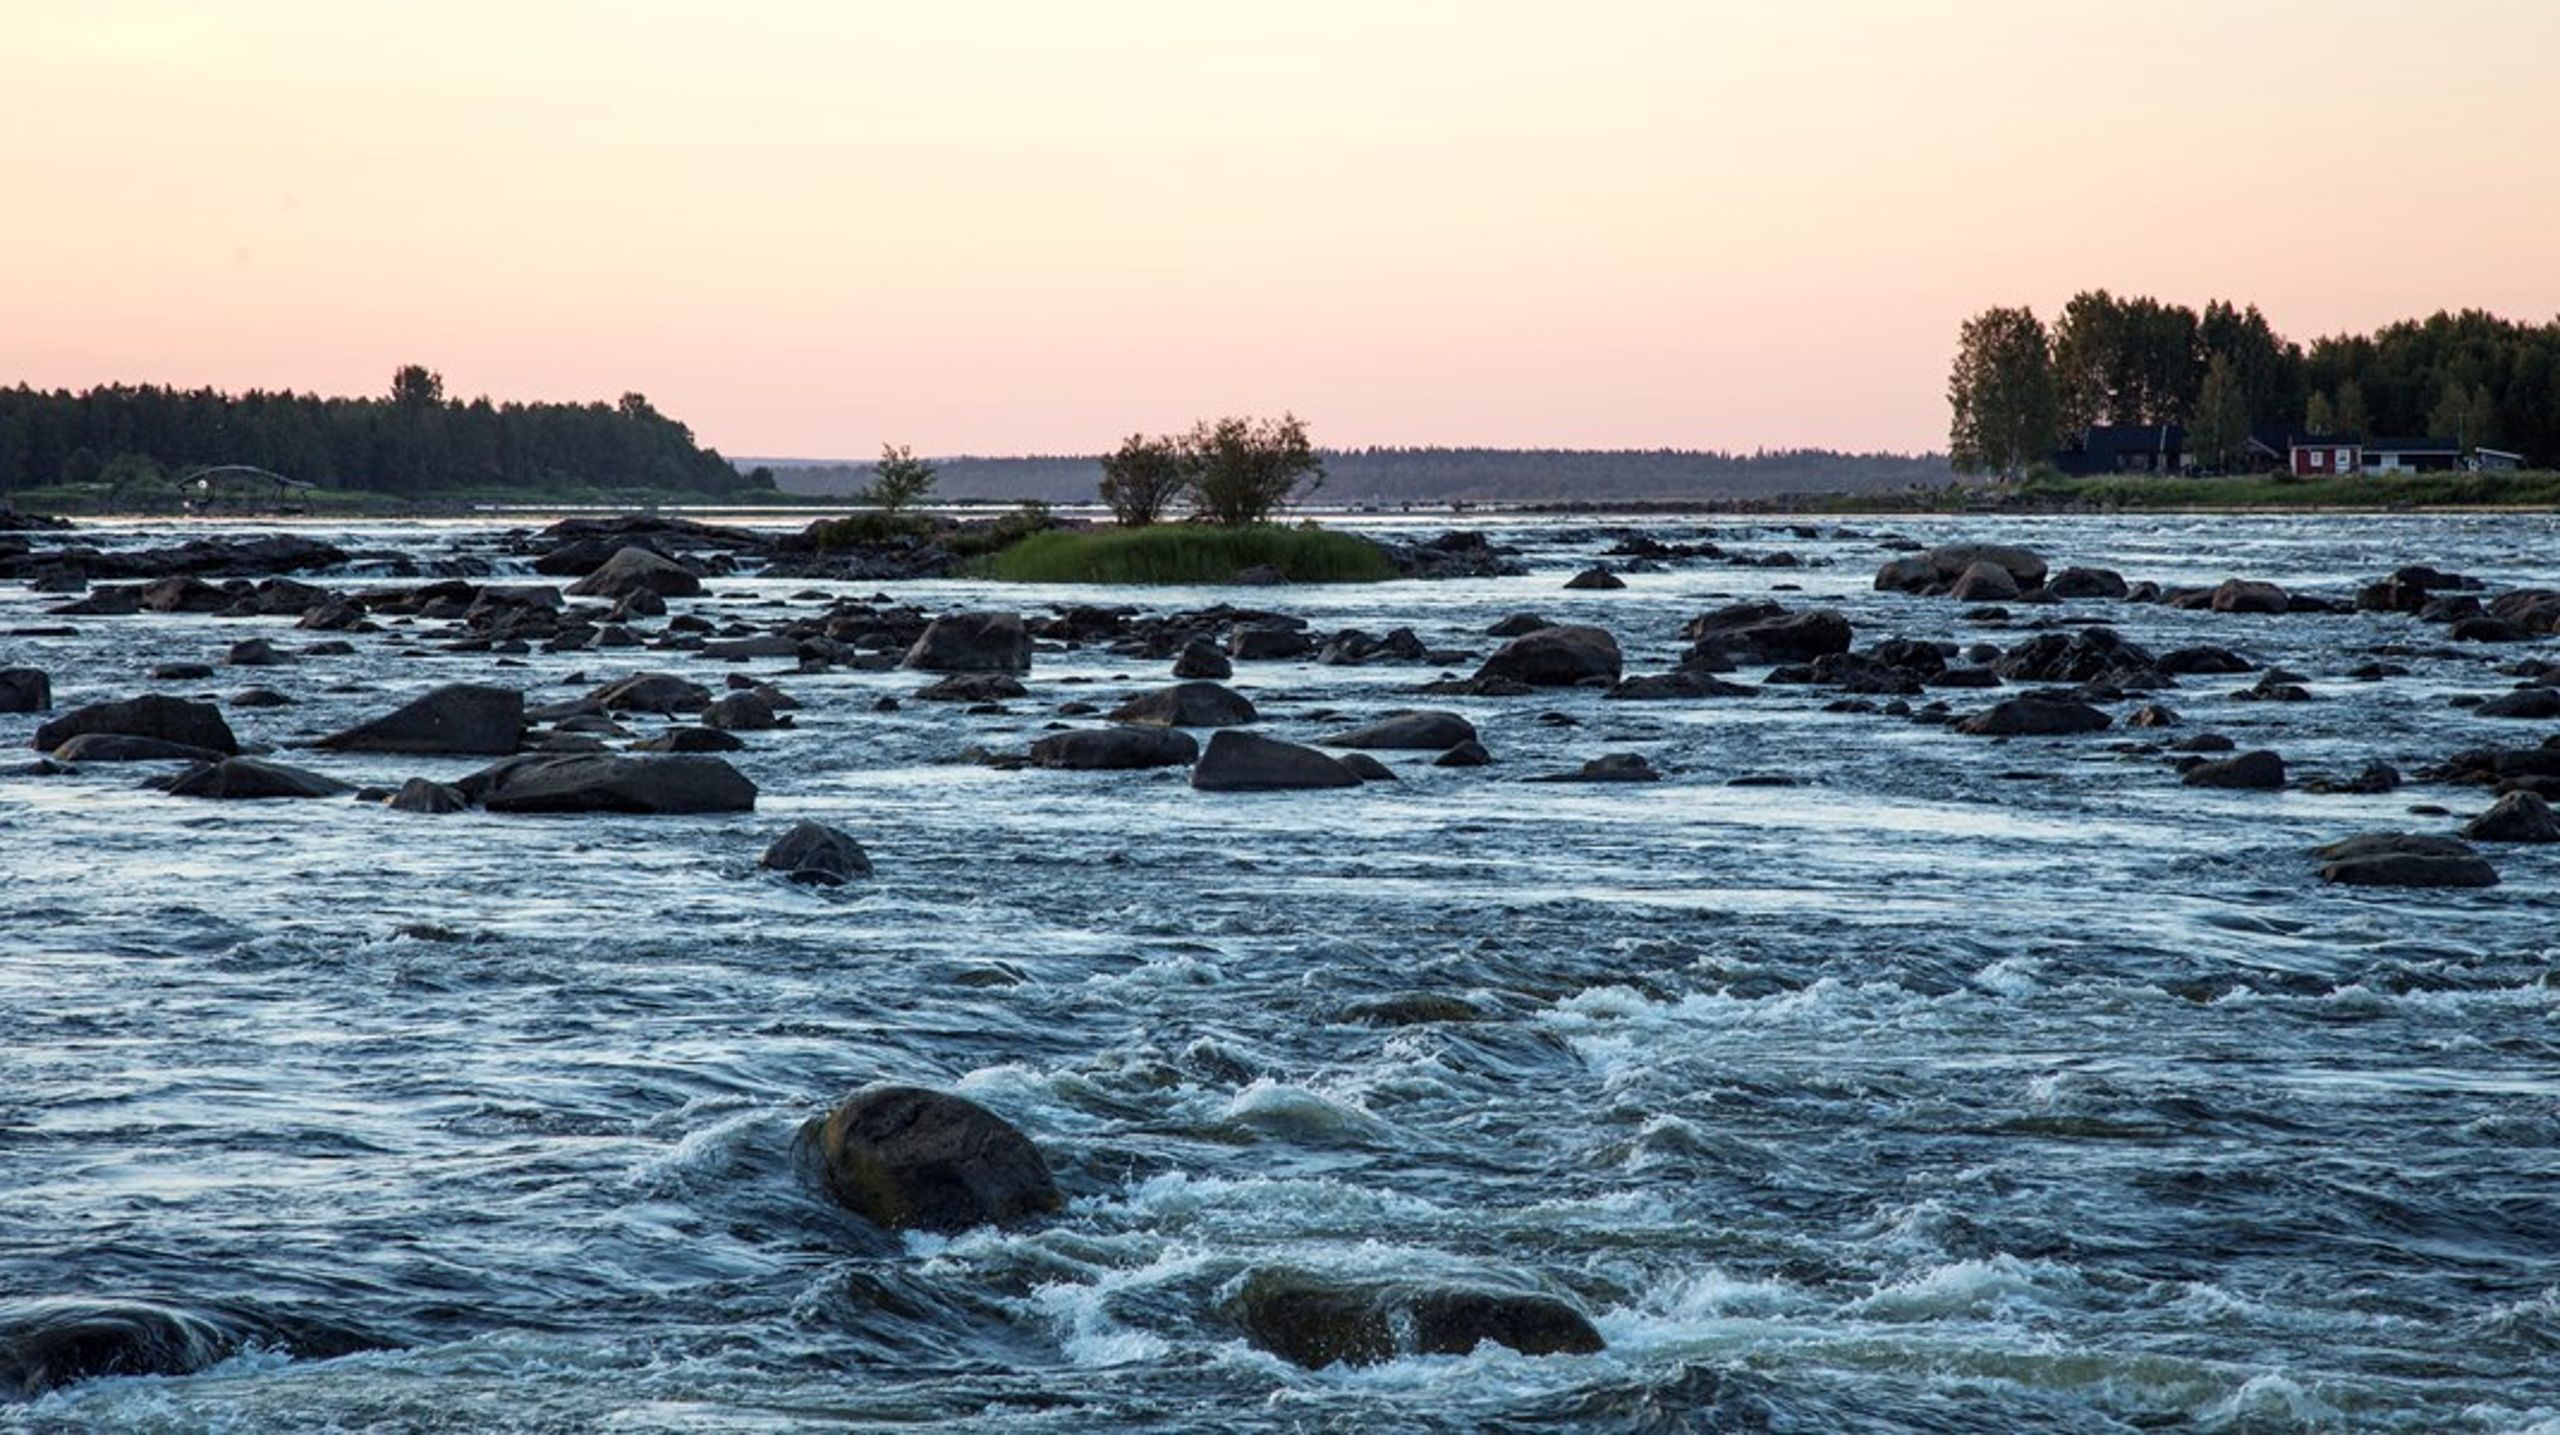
811	228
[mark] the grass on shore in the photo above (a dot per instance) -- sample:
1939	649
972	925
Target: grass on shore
1189	553
2529	488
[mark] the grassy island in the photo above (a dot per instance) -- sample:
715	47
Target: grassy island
1190	553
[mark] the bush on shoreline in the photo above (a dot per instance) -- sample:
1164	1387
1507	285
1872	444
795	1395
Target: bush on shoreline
1190	553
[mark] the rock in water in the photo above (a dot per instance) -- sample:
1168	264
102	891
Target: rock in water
2404	859
817	854
986	642
1922	571
1105	748
1983	582
420	795
1598	579
1556	658
1314	1324
912	1159
662	693
455	718
1187	705
25	690
683	783
1200	658
2259	771
1243	762
116	747
47	1343
2517	817
2034	717
243	778
1420	730
164	719
637	570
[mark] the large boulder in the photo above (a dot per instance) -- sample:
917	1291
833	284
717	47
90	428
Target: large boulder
2535	702
25	690
1201	704
817	854
1920	572
2517	817
1244	762
637	570
681	783
2404	859
2258	771
2087	583
912	1159
1763	633
249	778
2035	717
1315	1323
982	642
1107	748
1423	730
1559	657
164	719
455	718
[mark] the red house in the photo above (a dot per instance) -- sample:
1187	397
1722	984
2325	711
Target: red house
2326	456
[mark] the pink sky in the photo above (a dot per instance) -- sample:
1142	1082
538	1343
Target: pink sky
811	228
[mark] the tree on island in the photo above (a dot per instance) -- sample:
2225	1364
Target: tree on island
1243	468
1143	478
2218	432
898	479
2003	394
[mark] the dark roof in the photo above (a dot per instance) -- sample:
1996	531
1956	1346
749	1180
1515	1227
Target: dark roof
2106	439
2414	445
2283	438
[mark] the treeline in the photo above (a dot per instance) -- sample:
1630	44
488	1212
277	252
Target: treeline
412	442
1383	475
2020	389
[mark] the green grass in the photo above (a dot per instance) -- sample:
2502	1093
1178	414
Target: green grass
2267	490
2241	492
1189	553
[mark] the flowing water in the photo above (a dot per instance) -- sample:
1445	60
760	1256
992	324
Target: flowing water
1967	1086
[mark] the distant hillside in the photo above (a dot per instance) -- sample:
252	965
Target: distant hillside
1445	475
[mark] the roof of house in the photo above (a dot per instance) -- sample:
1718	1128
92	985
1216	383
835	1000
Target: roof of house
2133	438
2414	445
2283	438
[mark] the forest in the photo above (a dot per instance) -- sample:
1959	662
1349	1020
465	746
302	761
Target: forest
2020	389
412	442
1390	476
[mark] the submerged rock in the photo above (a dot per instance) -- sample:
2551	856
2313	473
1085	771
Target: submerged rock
1313	1323
911	1159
